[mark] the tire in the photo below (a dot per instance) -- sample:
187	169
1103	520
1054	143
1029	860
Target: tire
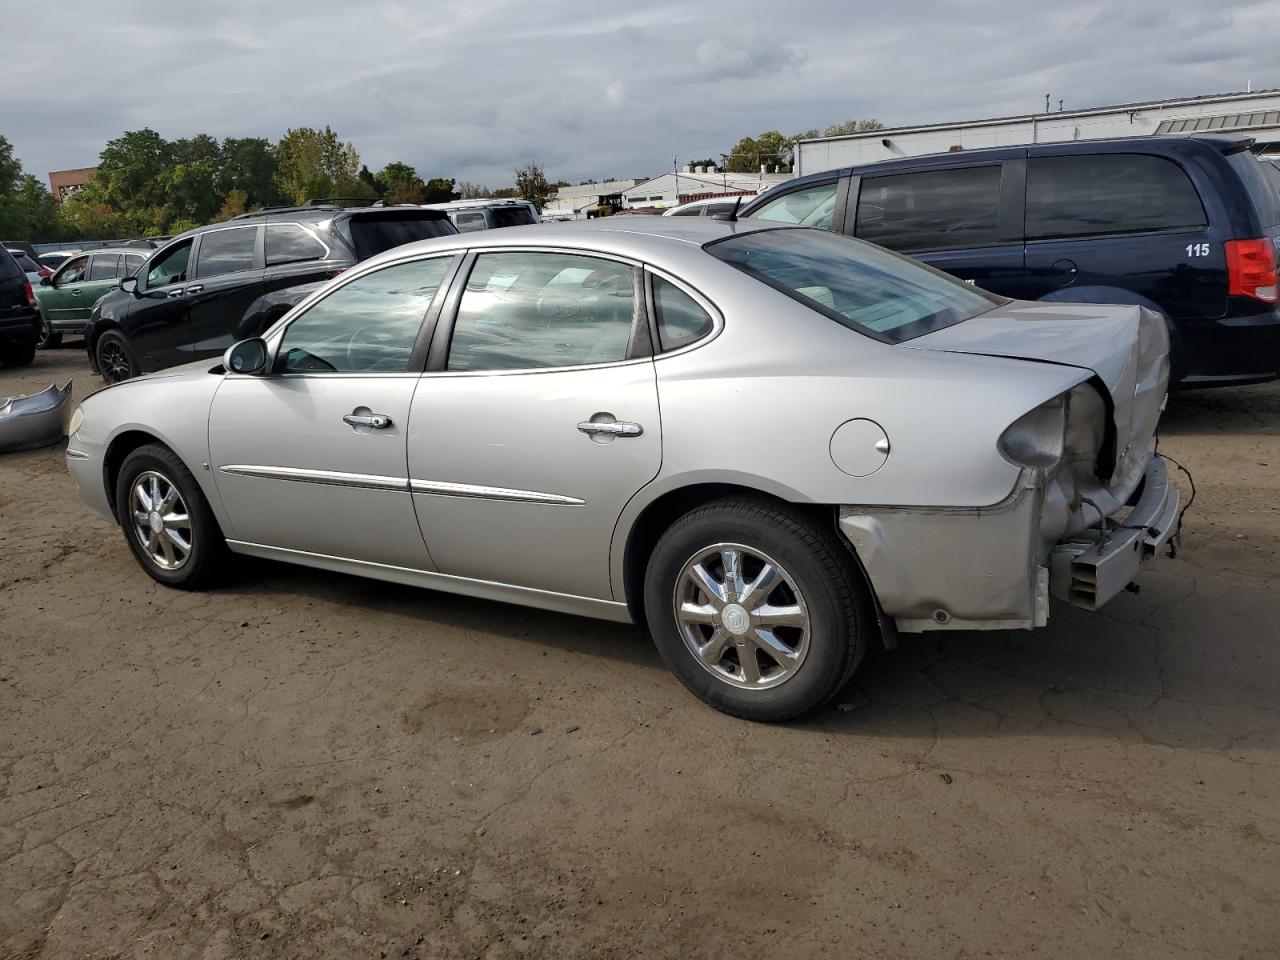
17	354
116	361
158	470
819	585
49	340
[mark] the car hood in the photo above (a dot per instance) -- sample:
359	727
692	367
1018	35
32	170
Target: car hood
1125	346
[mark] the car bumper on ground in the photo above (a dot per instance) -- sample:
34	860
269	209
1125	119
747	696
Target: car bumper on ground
1096	564
35	420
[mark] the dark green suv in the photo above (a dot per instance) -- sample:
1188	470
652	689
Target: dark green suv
66	299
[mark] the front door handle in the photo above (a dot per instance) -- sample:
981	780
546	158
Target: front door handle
175	294
619	428
376	420
195	288
75	293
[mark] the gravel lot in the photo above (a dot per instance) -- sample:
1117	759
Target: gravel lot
309	765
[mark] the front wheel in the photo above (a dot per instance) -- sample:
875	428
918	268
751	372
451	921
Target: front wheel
115	357
167	520
755	609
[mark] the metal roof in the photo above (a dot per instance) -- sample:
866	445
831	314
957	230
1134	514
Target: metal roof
1053	115
1225	121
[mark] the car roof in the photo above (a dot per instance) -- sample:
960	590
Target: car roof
306	213
1164	143
634	236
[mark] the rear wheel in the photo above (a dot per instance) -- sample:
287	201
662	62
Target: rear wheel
49	339
115	357
755	609
167	520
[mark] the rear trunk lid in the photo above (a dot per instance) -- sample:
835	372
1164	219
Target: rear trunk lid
1125	346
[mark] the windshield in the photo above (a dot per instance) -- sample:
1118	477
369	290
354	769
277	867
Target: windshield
862	286
374	233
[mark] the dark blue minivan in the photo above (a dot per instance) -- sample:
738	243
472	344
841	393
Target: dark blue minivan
1188	226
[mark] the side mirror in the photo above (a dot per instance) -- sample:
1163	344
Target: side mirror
46	281
246	357
129	285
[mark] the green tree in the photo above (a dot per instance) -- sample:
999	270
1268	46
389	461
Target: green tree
400	183
744	157
235	204
531	184
315	163
773	150
852	126
27	211
249	164
133	171
439	190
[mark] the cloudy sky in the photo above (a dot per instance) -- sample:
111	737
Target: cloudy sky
471	89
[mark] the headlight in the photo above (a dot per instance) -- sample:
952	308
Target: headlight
1036	439
77	419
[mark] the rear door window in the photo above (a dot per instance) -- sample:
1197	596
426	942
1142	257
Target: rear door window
680	320
371	234
105	266
932	209
226	251
1082	196
810	207
292	243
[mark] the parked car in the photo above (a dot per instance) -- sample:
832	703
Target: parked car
1186	226
19	321
850	444
66	297
29	265
56	258
470	215
707	208
189	298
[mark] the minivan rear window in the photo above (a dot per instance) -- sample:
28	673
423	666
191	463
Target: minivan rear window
372	234
866	288
1093	194
510	216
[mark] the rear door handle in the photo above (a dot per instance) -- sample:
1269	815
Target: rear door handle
377	421
619	429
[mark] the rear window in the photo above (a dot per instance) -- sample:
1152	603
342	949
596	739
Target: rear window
1110	193
25	263
372	234
510	216
865	288
104	266
931	210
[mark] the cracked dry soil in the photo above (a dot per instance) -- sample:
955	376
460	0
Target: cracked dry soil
308	765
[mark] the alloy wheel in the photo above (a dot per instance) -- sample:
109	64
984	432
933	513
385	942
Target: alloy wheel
113	362
161	520
742	616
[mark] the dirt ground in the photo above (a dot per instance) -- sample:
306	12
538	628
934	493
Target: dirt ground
310	765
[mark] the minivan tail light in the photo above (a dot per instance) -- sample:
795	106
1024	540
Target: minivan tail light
1251	269
31	294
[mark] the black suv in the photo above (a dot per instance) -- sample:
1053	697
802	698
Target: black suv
19	319
188	301
1187	226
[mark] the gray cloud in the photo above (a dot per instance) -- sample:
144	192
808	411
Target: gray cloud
471	88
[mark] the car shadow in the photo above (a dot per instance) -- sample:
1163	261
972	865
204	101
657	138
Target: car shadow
1178	664
1253	410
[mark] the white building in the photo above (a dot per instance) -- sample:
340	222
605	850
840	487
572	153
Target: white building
574	200
1255	114
672	189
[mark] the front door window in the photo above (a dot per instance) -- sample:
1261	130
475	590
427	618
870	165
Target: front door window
171	267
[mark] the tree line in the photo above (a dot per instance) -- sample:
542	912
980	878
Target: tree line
146	185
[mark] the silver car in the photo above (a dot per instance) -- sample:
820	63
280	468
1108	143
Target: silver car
770	445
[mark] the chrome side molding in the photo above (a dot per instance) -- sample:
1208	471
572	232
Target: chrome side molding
365	481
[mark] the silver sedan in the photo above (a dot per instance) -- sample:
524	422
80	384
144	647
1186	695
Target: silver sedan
771	446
